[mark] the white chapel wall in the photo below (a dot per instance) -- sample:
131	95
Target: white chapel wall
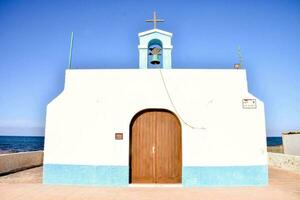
96	104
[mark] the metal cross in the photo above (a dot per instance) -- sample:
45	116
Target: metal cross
154	20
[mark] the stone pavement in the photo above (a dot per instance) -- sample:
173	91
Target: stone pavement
27	185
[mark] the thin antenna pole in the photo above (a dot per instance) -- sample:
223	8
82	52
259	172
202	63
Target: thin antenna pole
240	56
71	50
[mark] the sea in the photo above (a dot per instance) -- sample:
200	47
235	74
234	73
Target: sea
13	144
274	141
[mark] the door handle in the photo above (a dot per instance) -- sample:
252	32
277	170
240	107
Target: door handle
153	149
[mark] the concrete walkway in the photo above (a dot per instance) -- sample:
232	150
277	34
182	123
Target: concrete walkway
27	185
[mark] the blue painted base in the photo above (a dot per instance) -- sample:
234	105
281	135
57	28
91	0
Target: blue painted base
86	175
225	176
191	176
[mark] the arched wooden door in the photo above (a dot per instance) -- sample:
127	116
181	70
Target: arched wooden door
155	148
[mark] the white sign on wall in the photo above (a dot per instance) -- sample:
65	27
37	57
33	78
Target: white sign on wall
249	103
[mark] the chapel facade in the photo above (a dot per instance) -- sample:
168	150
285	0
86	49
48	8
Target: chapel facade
155	125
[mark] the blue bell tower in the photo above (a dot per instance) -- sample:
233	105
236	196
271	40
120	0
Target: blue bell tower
155	47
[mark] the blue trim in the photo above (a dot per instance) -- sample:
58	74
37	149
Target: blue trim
86	175
225	176
191	176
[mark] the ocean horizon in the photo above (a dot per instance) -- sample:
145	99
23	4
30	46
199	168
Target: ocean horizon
14	144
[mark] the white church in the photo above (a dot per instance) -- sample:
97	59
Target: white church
155	125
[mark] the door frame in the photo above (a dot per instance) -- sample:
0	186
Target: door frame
130	133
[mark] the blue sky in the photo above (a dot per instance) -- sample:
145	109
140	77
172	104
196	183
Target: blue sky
35	35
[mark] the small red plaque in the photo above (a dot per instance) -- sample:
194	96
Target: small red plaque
118	136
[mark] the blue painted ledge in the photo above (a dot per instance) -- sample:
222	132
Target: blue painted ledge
225	176
86	175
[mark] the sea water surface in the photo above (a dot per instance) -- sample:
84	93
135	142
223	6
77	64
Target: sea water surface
13	144
274	141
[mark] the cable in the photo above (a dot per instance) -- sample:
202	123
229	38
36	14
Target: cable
173	105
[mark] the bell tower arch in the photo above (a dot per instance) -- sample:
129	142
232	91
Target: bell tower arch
155	54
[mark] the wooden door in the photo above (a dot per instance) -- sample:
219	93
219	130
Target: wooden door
156	148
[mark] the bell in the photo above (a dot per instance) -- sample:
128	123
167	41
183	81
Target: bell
155	60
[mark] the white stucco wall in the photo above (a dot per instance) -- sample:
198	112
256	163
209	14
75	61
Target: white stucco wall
291	144
82	121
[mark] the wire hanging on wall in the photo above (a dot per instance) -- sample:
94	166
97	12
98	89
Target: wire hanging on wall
174	107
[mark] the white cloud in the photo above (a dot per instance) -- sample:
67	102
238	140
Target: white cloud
20	123
21	127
